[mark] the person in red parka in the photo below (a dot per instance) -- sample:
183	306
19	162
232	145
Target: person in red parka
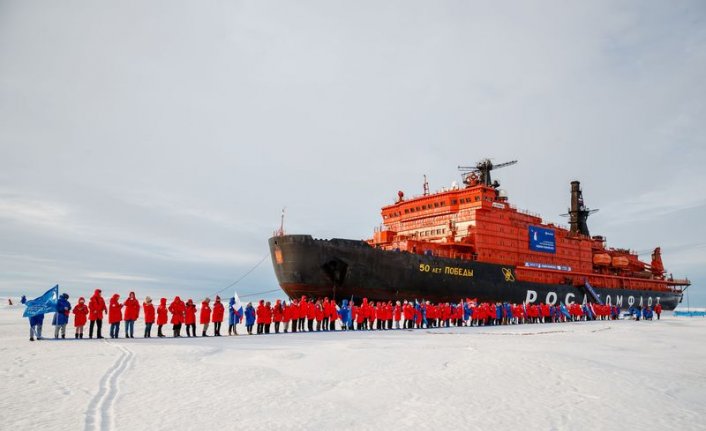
162	316
658	310
149	316
277	315
318	314
260	317
267	318
217	317
177	308
294	314
115	315
132	312
397	314
80	315
205	316
190	318
96	310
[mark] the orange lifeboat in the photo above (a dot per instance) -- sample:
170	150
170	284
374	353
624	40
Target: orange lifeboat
620	262
601	259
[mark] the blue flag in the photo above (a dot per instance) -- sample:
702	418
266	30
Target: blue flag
43	304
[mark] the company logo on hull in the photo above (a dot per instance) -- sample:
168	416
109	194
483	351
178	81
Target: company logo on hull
551	298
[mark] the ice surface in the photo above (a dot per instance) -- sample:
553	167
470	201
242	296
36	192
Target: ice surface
597	375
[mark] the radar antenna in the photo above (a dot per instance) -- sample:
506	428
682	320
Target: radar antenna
482	171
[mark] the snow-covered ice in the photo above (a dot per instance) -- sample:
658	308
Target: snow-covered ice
597	375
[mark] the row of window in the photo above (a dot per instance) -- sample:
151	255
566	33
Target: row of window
432	232
438	204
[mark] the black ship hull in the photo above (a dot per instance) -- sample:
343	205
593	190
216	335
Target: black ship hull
345	269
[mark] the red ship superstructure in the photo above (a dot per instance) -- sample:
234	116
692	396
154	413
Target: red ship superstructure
475	222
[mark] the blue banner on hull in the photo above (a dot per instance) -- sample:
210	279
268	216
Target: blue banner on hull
541	239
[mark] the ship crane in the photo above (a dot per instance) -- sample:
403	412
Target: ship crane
481	172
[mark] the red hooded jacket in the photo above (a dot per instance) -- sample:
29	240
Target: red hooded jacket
218	310
80	312
205	316
115	314
277	312
190	312
96	306
149	312
162	315
132	307
177	308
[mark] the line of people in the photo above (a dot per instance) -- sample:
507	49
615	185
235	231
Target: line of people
304	314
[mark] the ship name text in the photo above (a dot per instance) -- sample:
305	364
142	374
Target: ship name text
448	270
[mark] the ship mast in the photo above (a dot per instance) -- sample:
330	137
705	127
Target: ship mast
482	172
578	213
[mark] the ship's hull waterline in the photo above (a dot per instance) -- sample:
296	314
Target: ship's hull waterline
345	269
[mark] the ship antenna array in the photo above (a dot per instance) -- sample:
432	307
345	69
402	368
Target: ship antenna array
482	170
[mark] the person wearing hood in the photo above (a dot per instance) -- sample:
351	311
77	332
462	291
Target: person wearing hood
149	316
177	308
261	317
277	315
61	317
217	316
132	312
345	314
35	326
115	315
233	317
205	316
96	310
249	317
162	316
80	317
294	314
190	318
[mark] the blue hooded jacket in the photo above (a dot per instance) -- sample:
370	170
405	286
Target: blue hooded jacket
60	317
508	310
231	312
37	319
249	315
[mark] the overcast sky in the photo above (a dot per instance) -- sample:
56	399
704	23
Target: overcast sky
151	145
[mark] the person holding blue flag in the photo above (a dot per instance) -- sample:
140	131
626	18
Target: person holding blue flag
36	308
61	317
35	326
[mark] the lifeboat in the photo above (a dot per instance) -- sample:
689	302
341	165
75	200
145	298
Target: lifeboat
620	262
601	259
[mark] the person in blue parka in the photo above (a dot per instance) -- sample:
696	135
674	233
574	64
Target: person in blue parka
61	317
344	312
233	318
35	326
507	308
249	317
